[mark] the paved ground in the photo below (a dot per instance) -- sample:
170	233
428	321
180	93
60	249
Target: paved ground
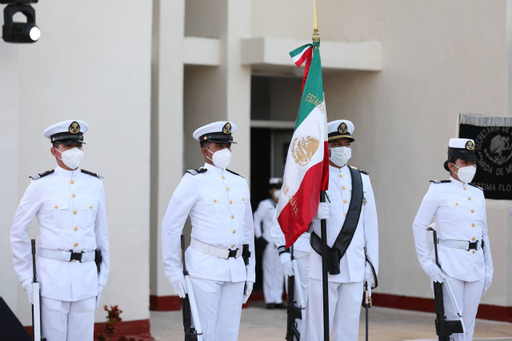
386	325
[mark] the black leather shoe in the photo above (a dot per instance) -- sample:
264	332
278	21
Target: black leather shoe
271	306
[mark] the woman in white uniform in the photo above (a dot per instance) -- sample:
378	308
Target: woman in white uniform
458	210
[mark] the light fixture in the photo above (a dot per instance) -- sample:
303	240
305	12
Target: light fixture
20	32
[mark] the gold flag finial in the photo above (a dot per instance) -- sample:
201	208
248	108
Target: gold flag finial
316	36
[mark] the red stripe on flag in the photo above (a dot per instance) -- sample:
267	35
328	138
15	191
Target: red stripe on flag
294	223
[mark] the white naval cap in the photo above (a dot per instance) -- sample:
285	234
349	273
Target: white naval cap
66	132
462	149
340	129
275	182
219	131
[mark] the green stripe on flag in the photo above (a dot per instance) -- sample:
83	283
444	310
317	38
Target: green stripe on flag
313	94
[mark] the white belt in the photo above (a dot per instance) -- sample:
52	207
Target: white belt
65	256
213	250
460	244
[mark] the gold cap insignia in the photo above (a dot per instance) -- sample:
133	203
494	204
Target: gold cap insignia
74	128
343	129
227	128
470	145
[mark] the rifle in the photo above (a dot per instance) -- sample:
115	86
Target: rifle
36	297
444	327
367	304
191	323
295	303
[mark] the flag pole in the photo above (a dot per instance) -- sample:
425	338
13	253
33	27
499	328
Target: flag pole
323	225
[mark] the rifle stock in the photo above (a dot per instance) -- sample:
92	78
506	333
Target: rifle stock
36	297
444	327
295	304
191	324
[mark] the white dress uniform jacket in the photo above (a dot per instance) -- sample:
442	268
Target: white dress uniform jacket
70	209
264	219
218	203
352	264
459	214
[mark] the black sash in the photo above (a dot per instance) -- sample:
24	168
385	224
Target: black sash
349	226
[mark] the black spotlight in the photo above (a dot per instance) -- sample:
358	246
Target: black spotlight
20	32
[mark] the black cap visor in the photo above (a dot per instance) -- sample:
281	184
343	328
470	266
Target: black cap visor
67	138
464	154
216	138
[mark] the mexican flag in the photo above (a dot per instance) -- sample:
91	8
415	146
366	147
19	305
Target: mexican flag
306	171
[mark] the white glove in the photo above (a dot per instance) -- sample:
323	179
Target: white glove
368	278
286	260
27	286
180	286
98	296
435	273
487	284
323	211
248	290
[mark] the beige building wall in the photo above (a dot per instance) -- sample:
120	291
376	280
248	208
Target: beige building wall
440	58
125	73
98	71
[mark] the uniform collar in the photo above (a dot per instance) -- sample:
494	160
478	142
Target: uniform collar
457	182
66	173
336	170
213	168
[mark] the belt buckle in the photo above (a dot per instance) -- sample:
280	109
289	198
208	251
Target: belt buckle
232	253
75	256
473	245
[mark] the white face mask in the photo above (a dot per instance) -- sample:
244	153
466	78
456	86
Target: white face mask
221	158
466	174
277	194
340	155
72	157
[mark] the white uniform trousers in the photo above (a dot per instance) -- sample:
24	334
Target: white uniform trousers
68	321
220	306
344	309
272	275
302	259
467	295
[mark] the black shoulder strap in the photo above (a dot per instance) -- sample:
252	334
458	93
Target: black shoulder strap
348	230
440	181
480	188
91	173
229	170
354	212
197	171
41	175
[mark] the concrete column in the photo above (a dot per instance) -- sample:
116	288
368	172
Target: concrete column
238	80
166	125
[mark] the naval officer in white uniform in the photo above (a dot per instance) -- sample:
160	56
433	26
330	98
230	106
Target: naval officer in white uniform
273	279
69	204
354	261
218	203
458	210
